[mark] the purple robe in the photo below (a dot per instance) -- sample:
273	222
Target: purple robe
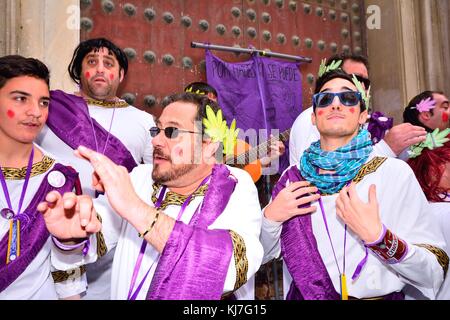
70	121
310	278
33	232
195	260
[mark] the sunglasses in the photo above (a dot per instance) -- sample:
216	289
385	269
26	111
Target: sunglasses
347	98
169	132
363	80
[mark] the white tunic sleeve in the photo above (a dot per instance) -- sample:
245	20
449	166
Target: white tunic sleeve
406	212
303	133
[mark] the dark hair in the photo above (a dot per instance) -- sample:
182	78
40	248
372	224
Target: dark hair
200	101
14	66
429	167
95	45
320	82
202	87
411	114
349	56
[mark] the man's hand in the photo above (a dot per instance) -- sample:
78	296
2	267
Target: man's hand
362	218
402	136
69	216
115	181
276	149
286	204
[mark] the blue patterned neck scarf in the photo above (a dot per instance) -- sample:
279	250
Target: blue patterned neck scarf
345	161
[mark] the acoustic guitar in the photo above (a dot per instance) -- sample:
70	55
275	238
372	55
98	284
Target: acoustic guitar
247	157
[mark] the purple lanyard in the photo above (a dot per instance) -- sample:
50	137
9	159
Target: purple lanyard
109	132
131	295
360	264
24	187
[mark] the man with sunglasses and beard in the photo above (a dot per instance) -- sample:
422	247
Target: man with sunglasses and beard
348	223
185	227
97	118
391	143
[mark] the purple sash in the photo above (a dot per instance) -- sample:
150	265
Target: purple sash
33	232
69	119
195	260
310	278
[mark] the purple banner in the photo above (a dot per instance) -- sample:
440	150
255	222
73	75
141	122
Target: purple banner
261	93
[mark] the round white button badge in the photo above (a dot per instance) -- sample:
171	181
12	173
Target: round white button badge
56	179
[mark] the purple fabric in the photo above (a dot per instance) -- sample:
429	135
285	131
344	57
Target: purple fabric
310	278
195	260
69	119
268	99
377	127
33	232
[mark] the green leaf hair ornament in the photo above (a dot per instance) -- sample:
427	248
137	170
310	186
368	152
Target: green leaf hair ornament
434	140
216	128
364	94
325	69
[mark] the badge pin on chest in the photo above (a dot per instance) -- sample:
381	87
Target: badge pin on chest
56	179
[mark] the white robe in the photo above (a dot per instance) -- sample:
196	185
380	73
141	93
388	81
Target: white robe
242	215
36	281
303	133
403	209
131	126
441	213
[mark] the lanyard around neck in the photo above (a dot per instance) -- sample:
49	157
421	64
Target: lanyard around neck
131	295
24	187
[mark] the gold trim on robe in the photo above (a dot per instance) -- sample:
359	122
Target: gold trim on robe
38	168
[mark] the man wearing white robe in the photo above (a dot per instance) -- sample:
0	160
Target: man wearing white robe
134	199
384	195
99	67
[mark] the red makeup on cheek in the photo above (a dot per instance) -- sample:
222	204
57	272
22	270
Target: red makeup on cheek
87	75
111	76
320	112
444	117
352	110
10	114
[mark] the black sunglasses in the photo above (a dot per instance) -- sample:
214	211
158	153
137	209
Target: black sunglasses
347	98
169	132
363	80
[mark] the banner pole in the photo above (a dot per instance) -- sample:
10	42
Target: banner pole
250	51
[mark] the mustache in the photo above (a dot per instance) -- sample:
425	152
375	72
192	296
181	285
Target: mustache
157	152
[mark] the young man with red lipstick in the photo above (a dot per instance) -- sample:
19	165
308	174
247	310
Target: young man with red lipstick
27	174
431	116
348	223
97	118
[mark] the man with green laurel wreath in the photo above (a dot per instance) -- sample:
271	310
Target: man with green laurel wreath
348	223
185	227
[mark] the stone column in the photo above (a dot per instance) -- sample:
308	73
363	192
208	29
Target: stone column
409	53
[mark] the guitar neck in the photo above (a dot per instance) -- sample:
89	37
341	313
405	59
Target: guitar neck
261	149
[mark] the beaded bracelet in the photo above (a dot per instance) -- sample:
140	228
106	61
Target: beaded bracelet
141	235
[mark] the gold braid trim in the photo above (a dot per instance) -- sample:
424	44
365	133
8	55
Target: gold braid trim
38	168
240	259
101	244
366	169
440	254
172	198
107	104
61	276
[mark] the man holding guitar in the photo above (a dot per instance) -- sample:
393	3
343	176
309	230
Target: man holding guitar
251	159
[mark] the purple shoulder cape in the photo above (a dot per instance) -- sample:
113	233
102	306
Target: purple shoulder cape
195	260
310	278
69	119
33	232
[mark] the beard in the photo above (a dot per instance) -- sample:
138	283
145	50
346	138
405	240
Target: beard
175	171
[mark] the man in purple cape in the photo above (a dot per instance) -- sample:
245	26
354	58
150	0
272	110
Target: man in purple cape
27	174
347	223
185	227
97	118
